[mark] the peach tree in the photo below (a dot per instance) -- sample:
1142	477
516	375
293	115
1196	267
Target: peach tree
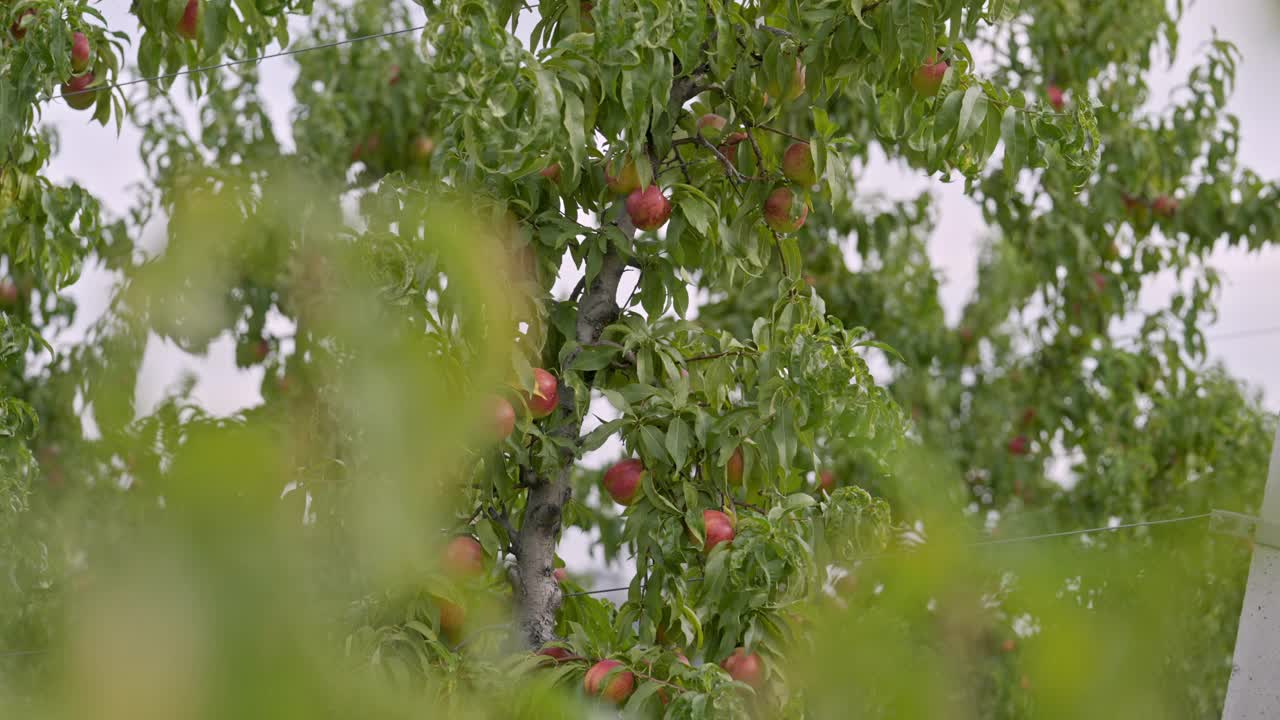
482	252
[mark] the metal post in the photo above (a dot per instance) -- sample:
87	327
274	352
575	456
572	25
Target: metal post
1254	689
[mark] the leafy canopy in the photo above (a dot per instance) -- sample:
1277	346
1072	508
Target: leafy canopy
387	266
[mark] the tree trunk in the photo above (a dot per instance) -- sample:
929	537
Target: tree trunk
538	594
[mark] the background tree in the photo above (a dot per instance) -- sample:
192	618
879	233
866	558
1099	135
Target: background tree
389	262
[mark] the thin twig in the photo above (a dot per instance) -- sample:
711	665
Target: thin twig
755	148
634	288
684	168
713	356
504	520
783	133
732	171
665	166
754	55
777	244
660	682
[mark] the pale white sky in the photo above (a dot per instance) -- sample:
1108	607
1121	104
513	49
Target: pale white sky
107	164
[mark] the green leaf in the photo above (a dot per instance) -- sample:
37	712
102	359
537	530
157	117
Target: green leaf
948	116
680	299
656	498
642	695
596	357
698	214
574	124
701	425
651	442
422	629
644	367
799	501
784	436
524	371
973	110
1015	147
616	399
760	333
597	437
823	127
693	511
791	253
881	346
679	439
689	618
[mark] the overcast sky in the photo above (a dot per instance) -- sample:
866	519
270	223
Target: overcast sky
107	164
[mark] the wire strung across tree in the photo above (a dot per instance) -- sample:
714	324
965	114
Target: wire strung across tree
982	543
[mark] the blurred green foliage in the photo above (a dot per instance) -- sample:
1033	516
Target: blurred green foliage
386	264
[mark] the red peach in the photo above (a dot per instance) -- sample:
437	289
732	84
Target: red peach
649	208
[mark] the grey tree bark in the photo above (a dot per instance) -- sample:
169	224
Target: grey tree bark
538	593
